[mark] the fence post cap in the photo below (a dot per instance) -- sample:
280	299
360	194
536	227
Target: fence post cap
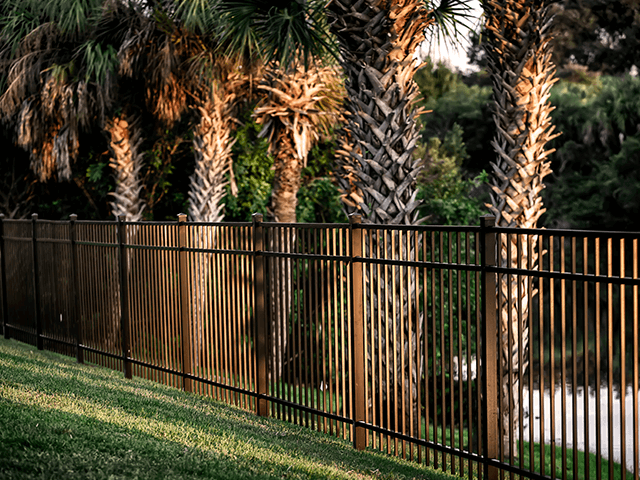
122	218
1	216
34	216
73	217
257	218
182	217
487	221
355	218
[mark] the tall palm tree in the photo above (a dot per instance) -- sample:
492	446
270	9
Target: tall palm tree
179	63
378	41
517	44
376	169
217	105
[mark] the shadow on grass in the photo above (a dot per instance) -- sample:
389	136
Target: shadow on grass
63	420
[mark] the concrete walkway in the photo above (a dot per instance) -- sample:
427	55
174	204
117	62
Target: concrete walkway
623	441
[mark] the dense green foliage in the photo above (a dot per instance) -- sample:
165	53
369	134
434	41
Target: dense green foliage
451	183
449	101
596	167
603	35
448	198
253	171
596	176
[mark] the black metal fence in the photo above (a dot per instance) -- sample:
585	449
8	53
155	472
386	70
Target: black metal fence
484	351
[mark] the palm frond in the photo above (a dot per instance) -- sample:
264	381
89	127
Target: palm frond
276	32
19	19
72	17
98	61
238	32
196	15
448	17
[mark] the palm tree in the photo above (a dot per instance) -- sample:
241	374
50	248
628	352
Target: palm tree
127	160
44	108
376	169
300	95
62	79
378	41
176	54
298	106
518	48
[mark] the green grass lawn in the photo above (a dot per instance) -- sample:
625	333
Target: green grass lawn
61	420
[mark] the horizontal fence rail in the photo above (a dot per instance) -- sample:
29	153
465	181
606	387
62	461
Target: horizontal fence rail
483	351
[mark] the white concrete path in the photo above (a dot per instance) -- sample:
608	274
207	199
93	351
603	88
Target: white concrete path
586	423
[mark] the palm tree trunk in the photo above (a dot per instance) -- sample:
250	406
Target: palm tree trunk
124	143
284	199
286	183
376	168
299	104
519	53
212	145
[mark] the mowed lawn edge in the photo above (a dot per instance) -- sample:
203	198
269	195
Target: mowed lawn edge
59	419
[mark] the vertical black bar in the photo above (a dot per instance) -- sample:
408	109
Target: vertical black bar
489	347
187	384
359	408
36	282
76	289
261	350
3	272
124	304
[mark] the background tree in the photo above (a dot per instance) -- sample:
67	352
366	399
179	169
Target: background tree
63	80
597	161
602	35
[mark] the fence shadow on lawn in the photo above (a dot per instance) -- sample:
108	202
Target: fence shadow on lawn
67	420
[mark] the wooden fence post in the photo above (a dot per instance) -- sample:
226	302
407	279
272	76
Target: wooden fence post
36	281
3	279
76	288
187	384
124	303
357	311
259	289
490	346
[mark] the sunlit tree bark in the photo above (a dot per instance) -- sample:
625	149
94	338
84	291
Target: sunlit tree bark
519	52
